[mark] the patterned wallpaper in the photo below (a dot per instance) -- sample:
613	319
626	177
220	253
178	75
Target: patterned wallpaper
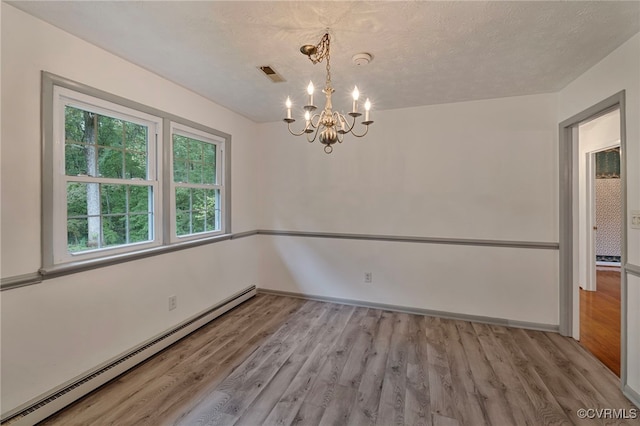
608	217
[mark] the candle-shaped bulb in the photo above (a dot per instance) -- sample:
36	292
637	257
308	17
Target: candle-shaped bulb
288	104
310	92
367	107
356	95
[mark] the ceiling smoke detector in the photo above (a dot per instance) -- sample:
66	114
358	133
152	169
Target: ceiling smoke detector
361	58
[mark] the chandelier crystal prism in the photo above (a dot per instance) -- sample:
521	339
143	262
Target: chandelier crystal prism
328	126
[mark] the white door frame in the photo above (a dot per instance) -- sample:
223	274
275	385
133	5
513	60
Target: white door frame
568	225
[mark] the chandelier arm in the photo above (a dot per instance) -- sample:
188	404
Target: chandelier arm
315	134
297	134
350	128
316	116
366	130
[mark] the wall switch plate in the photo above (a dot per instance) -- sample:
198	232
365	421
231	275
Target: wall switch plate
635	219
368	277
173	302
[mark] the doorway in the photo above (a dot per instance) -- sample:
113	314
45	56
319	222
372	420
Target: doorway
600	268
572	243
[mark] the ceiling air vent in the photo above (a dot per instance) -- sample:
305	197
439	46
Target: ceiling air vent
271	74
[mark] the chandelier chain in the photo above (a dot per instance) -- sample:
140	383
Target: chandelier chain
321	50
328	70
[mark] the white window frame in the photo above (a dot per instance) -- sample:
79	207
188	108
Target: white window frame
56	260
219	143
65	97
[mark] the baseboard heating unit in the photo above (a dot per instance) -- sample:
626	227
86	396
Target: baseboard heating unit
53	401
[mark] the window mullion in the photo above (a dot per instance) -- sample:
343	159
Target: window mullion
95	145
217	163
220	172
124	151
100	217
191	211
127	211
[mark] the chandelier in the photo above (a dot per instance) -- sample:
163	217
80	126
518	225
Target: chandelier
328	126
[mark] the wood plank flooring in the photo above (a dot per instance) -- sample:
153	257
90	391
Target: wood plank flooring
283	361
600	319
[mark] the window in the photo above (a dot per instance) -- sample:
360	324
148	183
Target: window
106	191
115	184
196	184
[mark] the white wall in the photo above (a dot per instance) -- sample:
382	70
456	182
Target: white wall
62	327
595	135
513	284
473	170
618	71
482	169
633	333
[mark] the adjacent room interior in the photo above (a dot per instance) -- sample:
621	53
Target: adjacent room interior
601	228
181	244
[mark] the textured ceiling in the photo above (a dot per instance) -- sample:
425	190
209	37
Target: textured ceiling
424	52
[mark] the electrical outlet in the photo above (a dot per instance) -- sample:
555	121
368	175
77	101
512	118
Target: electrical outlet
368	277
635	219
173	302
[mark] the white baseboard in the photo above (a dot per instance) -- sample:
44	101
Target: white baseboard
632	395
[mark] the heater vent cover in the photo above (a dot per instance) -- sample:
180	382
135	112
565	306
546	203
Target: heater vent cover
271	74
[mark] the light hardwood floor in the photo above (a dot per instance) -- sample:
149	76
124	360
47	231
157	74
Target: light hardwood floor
600	318
282	361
